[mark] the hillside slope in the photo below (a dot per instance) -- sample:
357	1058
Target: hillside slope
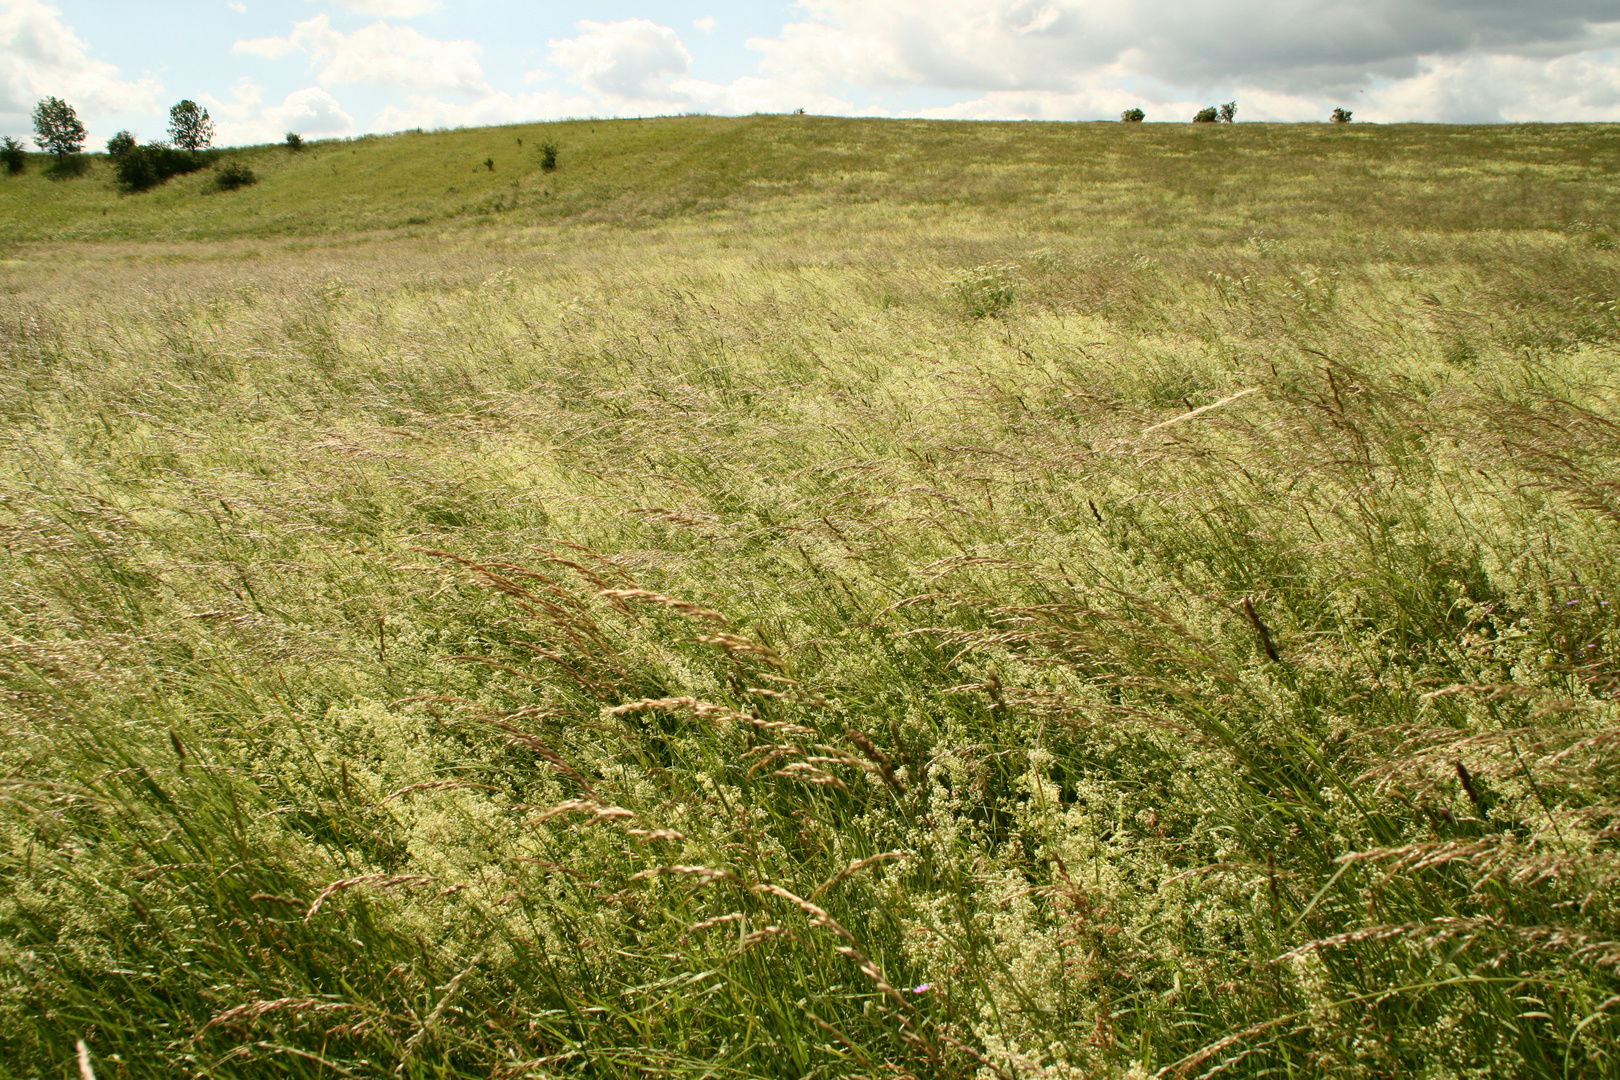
789	597
1059	177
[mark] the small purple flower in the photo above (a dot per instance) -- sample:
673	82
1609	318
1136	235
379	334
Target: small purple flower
922	989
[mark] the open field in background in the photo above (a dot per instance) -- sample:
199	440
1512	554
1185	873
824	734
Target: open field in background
788	597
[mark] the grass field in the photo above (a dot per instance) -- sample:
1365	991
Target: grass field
791	597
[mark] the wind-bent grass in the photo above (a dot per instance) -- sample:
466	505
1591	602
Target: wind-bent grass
799	636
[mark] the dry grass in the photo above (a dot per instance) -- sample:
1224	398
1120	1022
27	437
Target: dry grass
802	640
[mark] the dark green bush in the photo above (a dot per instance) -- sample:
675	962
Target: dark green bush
1341	116
233	175
1206	116
295	141
548	156
12	154
120	144
1228	112
142	167
1132	116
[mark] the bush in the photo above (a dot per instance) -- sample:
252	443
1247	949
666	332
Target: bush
120	144
1132	116
1341	116
1206	116
548	156
1229	112
295	141
987	291
233	175
13	156
141	167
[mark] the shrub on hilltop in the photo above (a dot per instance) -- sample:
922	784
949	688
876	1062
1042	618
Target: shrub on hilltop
1132	116
1206	116
13	156
140	168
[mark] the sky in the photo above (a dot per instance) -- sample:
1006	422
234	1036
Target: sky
326	68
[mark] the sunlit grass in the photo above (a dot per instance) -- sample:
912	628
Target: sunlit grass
816	598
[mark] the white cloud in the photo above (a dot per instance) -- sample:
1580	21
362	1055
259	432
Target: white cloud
311	112
631	67
392	9
1450	60
1049	44
1419	59
40	56
637	67
378	55
496	108
1582	87
752	94
630	60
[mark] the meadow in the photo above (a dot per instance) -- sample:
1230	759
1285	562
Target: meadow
794	597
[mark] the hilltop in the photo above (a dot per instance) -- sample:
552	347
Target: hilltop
1059	177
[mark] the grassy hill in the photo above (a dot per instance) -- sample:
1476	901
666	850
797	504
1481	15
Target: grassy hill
795	597
1059	177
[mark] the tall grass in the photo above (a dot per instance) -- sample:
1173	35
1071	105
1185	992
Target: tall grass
712	650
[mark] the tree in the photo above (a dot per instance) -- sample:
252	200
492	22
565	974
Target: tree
1206	116
1229	112
1341	116
1132	116
57	129
13	155
295	141
120	144
189	126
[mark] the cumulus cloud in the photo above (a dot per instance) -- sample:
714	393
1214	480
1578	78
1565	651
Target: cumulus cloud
245	119
1074	58
41	56
420	111
1052	44
1473	89
631	60
630	67
639	66
378	55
